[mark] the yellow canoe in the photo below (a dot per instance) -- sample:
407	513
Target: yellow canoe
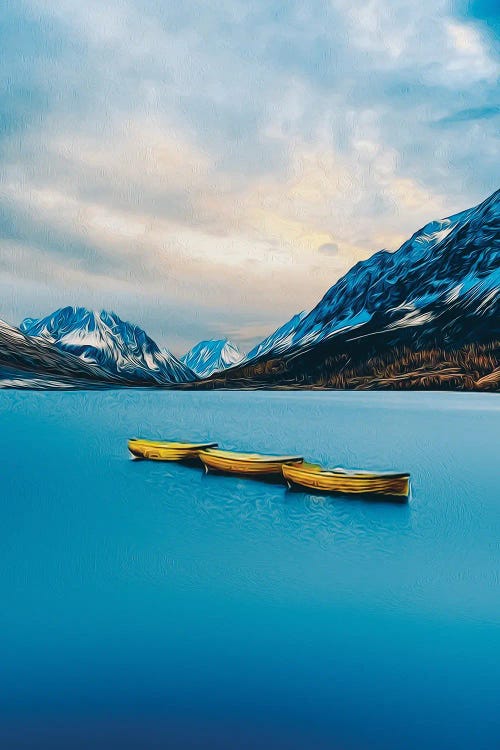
161	450
252	464
347	481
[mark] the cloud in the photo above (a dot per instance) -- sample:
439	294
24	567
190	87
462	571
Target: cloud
221	165
439	48
471	58
328	247
469	115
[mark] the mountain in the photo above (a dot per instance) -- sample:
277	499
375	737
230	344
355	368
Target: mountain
448	269
121	349
440	291
208	357
278	341
425	316
38	363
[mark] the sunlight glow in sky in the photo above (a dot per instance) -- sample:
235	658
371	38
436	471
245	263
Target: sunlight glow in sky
211	168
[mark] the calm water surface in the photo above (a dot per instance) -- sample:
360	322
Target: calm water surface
146	605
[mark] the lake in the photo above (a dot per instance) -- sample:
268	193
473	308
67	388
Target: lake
148	605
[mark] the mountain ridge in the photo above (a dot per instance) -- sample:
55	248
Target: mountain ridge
212	355
121	348
440	291
27	361
368	287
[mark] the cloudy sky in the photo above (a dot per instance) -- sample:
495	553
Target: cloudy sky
210	168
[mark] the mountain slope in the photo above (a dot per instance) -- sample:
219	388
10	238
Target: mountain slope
208	357
440	292
449	266
34	362
425	315
121	349
279	341
471	367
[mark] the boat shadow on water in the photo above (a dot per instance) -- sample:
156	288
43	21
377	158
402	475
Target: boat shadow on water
326	517
369	498
274	479
294	491
289	490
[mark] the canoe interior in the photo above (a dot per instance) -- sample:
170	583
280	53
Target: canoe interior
251	457
171	444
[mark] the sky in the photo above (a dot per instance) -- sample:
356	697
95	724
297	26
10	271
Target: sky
208	169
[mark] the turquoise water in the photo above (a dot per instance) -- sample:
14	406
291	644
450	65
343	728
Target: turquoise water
147	605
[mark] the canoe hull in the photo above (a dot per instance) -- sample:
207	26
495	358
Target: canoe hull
164	451
397	486
244	466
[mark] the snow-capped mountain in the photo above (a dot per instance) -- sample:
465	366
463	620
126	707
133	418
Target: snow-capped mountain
439	292
443	282
120	348
32	362
208	357
279	341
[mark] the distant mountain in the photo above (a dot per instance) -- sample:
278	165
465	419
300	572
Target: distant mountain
279	341
439	292
38	363
121	349
212	356
427	315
